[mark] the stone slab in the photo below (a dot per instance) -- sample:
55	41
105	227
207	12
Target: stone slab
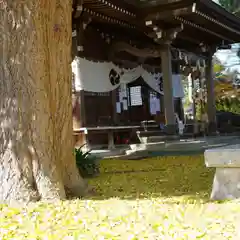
226	160
223	157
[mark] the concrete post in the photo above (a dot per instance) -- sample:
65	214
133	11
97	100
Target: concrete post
211	109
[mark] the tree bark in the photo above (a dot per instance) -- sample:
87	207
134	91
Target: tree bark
36	151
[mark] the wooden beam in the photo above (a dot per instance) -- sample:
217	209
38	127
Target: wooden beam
165	7
152	63
82	108
203	29
168	35
215	9
125	47
189	35
198	34
170	13
78	9
188	39
114	5
190	48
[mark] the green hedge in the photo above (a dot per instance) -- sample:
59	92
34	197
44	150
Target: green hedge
228	105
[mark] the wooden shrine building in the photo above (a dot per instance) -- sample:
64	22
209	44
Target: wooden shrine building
129	56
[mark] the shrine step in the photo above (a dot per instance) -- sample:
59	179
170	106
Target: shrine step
105	153
154	136
148	146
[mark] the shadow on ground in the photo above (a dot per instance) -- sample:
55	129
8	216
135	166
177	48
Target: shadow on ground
172	178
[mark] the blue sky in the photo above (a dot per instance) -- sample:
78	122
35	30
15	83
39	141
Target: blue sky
229	57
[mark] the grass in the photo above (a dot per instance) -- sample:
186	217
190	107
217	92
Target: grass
160	198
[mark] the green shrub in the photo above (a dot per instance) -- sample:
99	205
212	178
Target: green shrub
228	105
87	164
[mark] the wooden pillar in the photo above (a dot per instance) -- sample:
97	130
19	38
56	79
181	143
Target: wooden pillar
79	118
211	109
194	110
79	114
168	89
75	111
82	108
165	39
75	95
181	108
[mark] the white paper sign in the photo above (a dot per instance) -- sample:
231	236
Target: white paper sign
120	96
153	109
123	88
118	107
157	105
125	104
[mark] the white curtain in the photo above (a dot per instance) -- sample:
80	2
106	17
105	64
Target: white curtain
106	76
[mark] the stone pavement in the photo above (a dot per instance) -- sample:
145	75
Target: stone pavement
176	147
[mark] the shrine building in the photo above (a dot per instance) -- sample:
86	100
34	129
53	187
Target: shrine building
129	57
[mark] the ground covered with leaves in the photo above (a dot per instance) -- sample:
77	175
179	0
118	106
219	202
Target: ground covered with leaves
160	198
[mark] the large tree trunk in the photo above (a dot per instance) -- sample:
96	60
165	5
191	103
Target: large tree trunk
36	155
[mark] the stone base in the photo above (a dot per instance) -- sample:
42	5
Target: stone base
212	129
226	184
171	129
